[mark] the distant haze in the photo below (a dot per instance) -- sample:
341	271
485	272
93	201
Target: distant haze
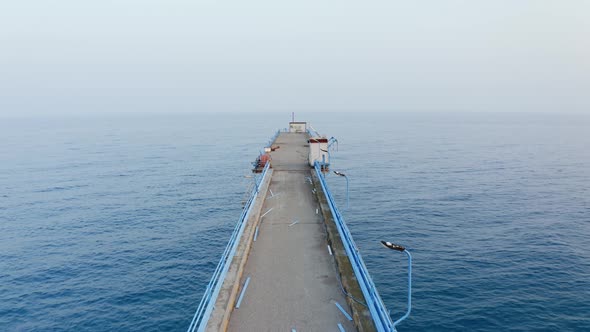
74	56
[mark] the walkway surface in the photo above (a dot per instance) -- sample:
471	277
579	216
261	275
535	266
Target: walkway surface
293	283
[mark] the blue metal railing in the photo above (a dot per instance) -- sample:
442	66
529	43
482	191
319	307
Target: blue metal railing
274	137
375	305
201	316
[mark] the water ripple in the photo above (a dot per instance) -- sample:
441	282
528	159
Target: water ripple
117	224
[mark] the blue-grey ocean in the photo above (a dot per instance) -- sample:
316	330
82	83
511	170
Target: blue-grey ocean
116	222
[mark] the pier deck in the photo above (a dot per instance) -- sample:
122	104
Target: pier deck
293	280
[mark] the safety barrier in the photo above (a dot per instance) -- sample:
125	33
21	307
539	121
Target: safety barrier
375	305
274	138
201	316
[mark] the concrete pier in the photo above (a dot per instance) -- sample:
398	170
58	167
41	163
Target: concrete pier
284	277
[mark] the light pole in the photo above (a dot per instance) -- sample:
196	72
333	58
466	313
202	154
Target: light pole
347	194
402	249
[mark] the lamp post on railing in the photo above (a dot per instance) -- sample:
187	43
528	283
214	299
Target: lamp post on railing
347	193
402	249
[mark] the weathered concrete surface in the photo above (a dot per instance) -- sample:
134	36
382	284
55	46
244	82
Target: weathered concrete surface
291	153
293	281
227	295
361	314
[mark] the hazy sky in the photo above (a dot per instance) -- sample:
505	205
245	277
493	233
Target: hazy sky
214	55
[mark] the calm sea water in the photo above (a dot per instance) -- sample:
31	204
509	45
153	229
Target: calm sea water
112	223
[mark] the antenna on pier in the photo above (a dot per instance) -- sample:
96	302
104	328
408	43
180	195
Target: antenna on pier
293	116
